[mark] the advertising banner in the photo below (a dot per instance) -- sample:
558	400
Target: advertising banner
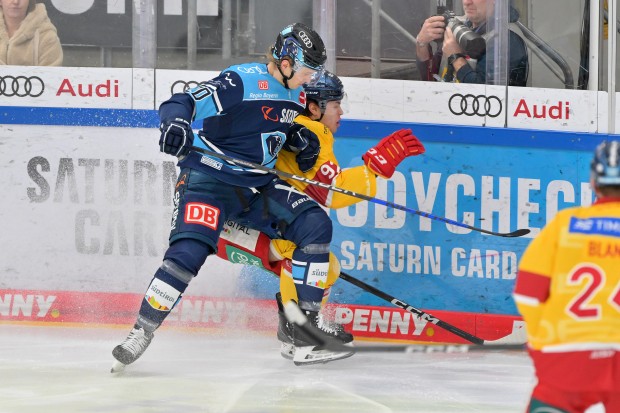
62	88
383	100
442	266
238	314
89	209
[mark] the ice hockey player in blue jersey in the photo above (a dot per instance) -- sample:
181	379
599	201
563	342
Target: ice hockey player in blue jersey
246	111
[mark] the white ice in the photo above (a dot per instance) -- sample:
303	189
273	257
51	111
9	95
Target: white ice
66	369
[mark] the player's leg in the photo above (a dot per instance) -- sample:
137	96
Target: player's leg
307	225
195	226
612	399
612	403
547	397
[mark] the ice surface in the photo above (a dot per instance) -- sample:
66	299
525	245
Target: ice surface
66	369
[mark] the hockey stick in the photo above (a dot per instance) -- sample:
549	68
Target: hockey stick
316	336
516	337
286	175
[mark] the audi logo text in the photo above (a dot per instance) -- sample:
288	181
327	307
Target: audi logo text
21	86
472	105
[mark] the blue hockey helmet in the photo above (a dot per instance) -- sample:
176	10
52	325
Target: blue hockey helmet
605	166
302	45
327	87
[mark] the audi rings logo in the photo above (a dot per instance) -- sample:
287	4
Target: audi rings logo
21	86
182	86
471	105
304	38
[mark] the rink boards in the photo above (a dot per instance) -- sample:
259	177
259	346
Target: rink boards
88	196
79	308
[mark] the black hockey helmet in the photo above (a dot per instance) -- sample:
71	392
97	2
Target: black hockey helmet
328	87
301	44
605	166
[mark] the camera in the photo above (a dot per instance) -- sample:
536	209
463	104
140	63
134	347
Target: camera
472	43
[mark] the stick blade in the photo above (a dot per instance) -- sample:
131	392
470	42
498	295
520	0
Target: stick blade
518	336
518	233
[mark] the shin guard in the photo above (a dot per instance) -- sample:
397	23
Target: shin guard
164	292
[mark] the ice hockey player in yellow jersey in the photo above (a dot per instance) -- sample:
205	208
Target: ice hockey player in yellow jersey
568	291
325	101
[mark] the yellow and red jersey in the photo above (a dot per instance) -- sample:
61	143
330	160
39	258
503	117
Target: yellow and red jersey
358	179
568	284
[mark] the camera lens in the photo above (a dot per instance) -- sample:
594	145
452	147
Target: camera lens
472	43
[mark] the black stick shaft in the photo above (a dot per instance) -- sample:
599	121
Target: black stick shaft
420	313
286	175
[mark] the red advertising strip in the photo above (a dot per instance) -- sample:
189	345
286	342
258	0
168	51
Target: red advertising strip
372	322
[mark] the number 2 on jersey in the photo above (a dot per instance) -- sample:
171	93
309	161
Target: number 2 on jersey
580	306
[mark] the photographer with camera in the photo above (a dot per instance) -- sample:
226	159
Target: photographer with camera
463	56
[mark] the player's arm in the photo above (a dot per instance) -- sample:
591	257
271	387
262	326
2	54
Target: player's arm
207	99
533	282
381	160
176	116
304	143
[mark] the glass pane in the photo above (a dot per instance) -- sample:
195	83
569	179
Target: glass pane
555	34
213	34
181	34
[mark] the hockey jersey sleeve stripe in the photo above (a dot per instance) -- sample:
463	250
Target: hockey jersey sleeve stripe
532	286
522	299
218	104
319	194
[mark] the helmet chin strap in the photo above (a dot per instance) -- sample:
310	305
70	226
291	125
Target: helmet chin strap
284	77
323	107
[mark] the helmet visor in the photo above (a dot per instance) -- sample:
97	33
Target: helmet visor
317	72
344	104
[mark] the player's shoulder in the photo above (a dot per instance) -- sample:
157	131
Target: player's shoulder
315	126
247	70
564	216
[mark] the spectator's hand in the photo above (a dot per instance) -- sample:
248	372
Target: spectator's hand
450	45
176	137
305	144
432	29
383	159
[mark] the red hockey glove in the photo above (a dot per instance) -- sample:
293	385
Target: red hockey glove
383	159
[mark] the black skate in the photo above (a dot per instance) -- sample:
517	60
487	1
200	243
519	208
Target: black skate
132	348
296	347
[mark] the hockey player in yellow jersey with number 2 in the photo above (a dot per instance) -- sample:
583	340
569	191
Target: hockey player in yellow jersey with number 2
568	291
324	108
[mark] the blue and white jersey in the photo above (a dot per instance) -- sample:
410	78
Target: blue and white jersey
246	113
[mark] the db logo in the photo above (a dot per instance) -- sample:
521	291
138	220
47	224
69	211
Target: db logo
202	214
263	84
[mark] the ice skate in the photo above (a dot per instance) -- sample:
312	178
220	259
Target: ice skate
295	347
131	349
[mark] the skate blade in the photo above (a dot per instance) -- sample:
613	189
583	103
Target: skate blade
117	367
305	356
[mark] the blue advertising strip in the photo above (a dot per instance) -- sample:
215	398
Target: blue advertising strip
477	135
26	115
358	128
439	266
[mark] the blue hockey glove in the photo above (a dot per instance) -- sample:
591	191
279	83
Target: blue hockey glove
176	137
305	144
